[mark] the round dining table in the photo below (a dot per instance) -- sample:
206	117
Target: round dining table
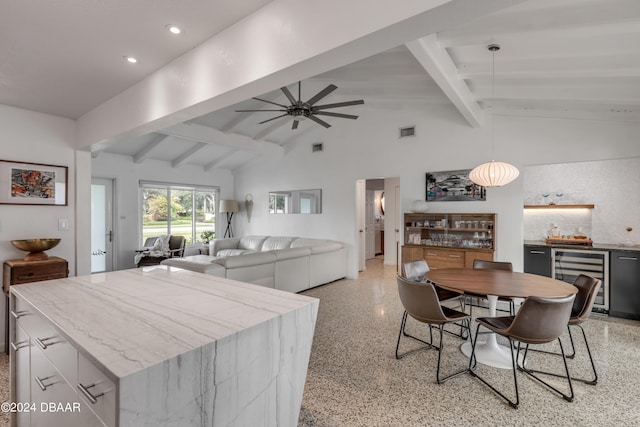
494	284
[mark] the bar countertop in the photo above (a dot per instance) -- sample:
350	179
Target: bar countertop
595	246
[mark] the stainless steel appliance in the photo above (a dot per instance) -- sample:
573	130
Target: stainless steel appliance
567	264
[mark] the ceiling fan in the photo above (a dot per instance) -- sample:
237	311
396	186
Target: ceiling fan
301	110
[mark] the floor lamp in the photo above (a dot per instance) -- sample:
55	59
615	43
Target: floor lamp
229	207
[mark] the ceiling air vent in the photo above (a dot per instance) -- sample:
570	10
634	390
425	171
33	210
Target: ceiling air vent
408	131
316	147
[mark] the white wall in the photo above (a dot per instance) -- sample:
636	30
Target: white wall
26	136
38	138
613	186
127	176
369	147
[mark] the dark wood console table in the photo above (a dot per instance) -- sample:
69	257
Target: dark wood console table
19	271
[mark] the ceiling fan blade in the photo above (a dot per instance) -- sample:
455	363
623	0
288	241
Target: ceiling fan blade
294	126
288	94
319	121
338	104
273	118
254	111
324	92
270	102
344	116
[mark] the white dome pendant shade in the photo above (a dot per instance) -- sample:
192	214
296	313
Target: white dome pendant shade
494	174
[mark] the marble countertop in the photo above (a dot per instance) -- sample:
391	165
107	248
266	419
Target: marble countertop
595	246
129	320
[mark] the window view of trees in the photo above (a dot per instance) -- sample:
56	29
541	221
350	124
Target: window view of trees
278	203
188	212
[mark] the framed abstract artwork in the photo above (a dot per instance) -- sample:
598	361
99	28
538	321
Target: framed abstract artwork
25	183
453	186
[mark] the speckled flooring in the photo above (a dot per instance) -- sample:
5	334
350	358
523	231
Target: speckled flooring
355	380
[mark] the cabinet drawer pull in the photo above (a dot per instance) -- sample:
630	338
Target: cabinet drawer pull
18	314
536	252
42	344
455	256
41	383
18	346
85	390
628	258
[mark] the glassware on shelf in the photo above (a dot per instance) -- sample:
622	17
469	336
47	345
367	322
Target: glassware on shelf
545	198
559	197
579	234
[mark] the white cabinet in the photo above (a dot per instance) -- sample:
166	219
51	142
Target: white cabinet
20	353
50	392
54	378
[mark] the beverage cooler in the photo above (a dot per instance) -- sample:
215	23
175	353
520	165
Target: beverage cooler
567	264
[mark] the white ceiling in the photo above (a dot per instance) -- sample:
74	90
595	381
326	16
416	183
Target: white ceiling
577	59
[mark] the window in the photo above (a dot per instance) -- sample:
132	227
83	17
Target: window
279	202
178	210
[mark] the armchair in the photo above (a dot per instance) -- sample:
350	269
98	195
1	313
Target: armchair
157	249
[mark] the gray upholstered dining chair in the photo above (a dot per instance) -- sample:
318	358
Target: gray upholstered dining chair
421	302
539	321
415	271
587	291
495	265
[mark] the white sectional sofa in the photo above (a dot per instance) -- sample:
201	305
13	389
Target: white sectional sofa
287	263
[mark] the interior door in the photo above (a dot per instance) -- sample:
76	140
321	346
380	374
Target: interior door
101	225
370	228
397	225
360	222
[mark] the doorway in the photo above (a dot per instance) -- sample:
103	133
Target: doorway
378	220
102	225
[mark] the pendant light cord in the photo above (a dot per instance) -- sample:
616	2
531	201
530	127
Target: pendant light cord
493	48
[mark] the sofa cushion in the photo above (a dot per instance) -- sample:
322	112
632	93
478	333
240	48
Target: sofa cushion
317	246
247	260
253	243
217	245
233	252
289	253
199	263
275	243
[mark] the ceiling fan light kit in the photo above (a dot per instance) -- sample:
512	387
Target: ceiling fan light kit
301	110
493	174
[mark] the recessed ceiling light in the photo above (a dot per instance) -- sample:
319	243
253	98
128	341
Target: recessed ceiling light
130	59
174	29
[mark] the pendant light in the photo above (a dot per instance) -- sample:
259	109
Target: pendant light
493	174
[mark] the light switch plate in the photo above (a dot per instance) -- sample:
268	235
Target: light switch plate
63	224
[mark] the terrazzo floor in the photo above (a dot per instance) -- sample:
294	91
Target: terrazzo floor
354	379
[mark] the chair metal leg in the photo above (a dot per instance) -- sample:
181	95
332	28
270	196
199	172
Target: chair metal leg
462	333
403	332
594	381
448	377
428	345
531	373
515	377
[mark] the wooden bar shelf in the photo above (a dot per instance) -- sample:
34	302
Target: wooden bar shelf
583	206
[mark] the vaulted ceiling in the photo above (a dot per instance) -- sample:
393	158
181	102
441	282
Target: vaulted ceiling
577	59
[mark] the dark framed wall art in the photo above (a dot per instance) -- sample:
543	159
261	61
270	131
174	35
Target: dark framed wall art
25	183
453	186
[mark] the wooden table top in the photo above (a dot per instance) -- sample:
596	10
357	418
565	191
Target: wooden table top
500	283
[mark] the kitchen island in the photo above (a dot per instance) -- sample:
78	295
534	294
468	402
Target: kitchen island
159	346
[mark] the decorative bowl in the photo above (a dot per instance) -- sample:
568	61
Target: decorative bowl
36	247
419	206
